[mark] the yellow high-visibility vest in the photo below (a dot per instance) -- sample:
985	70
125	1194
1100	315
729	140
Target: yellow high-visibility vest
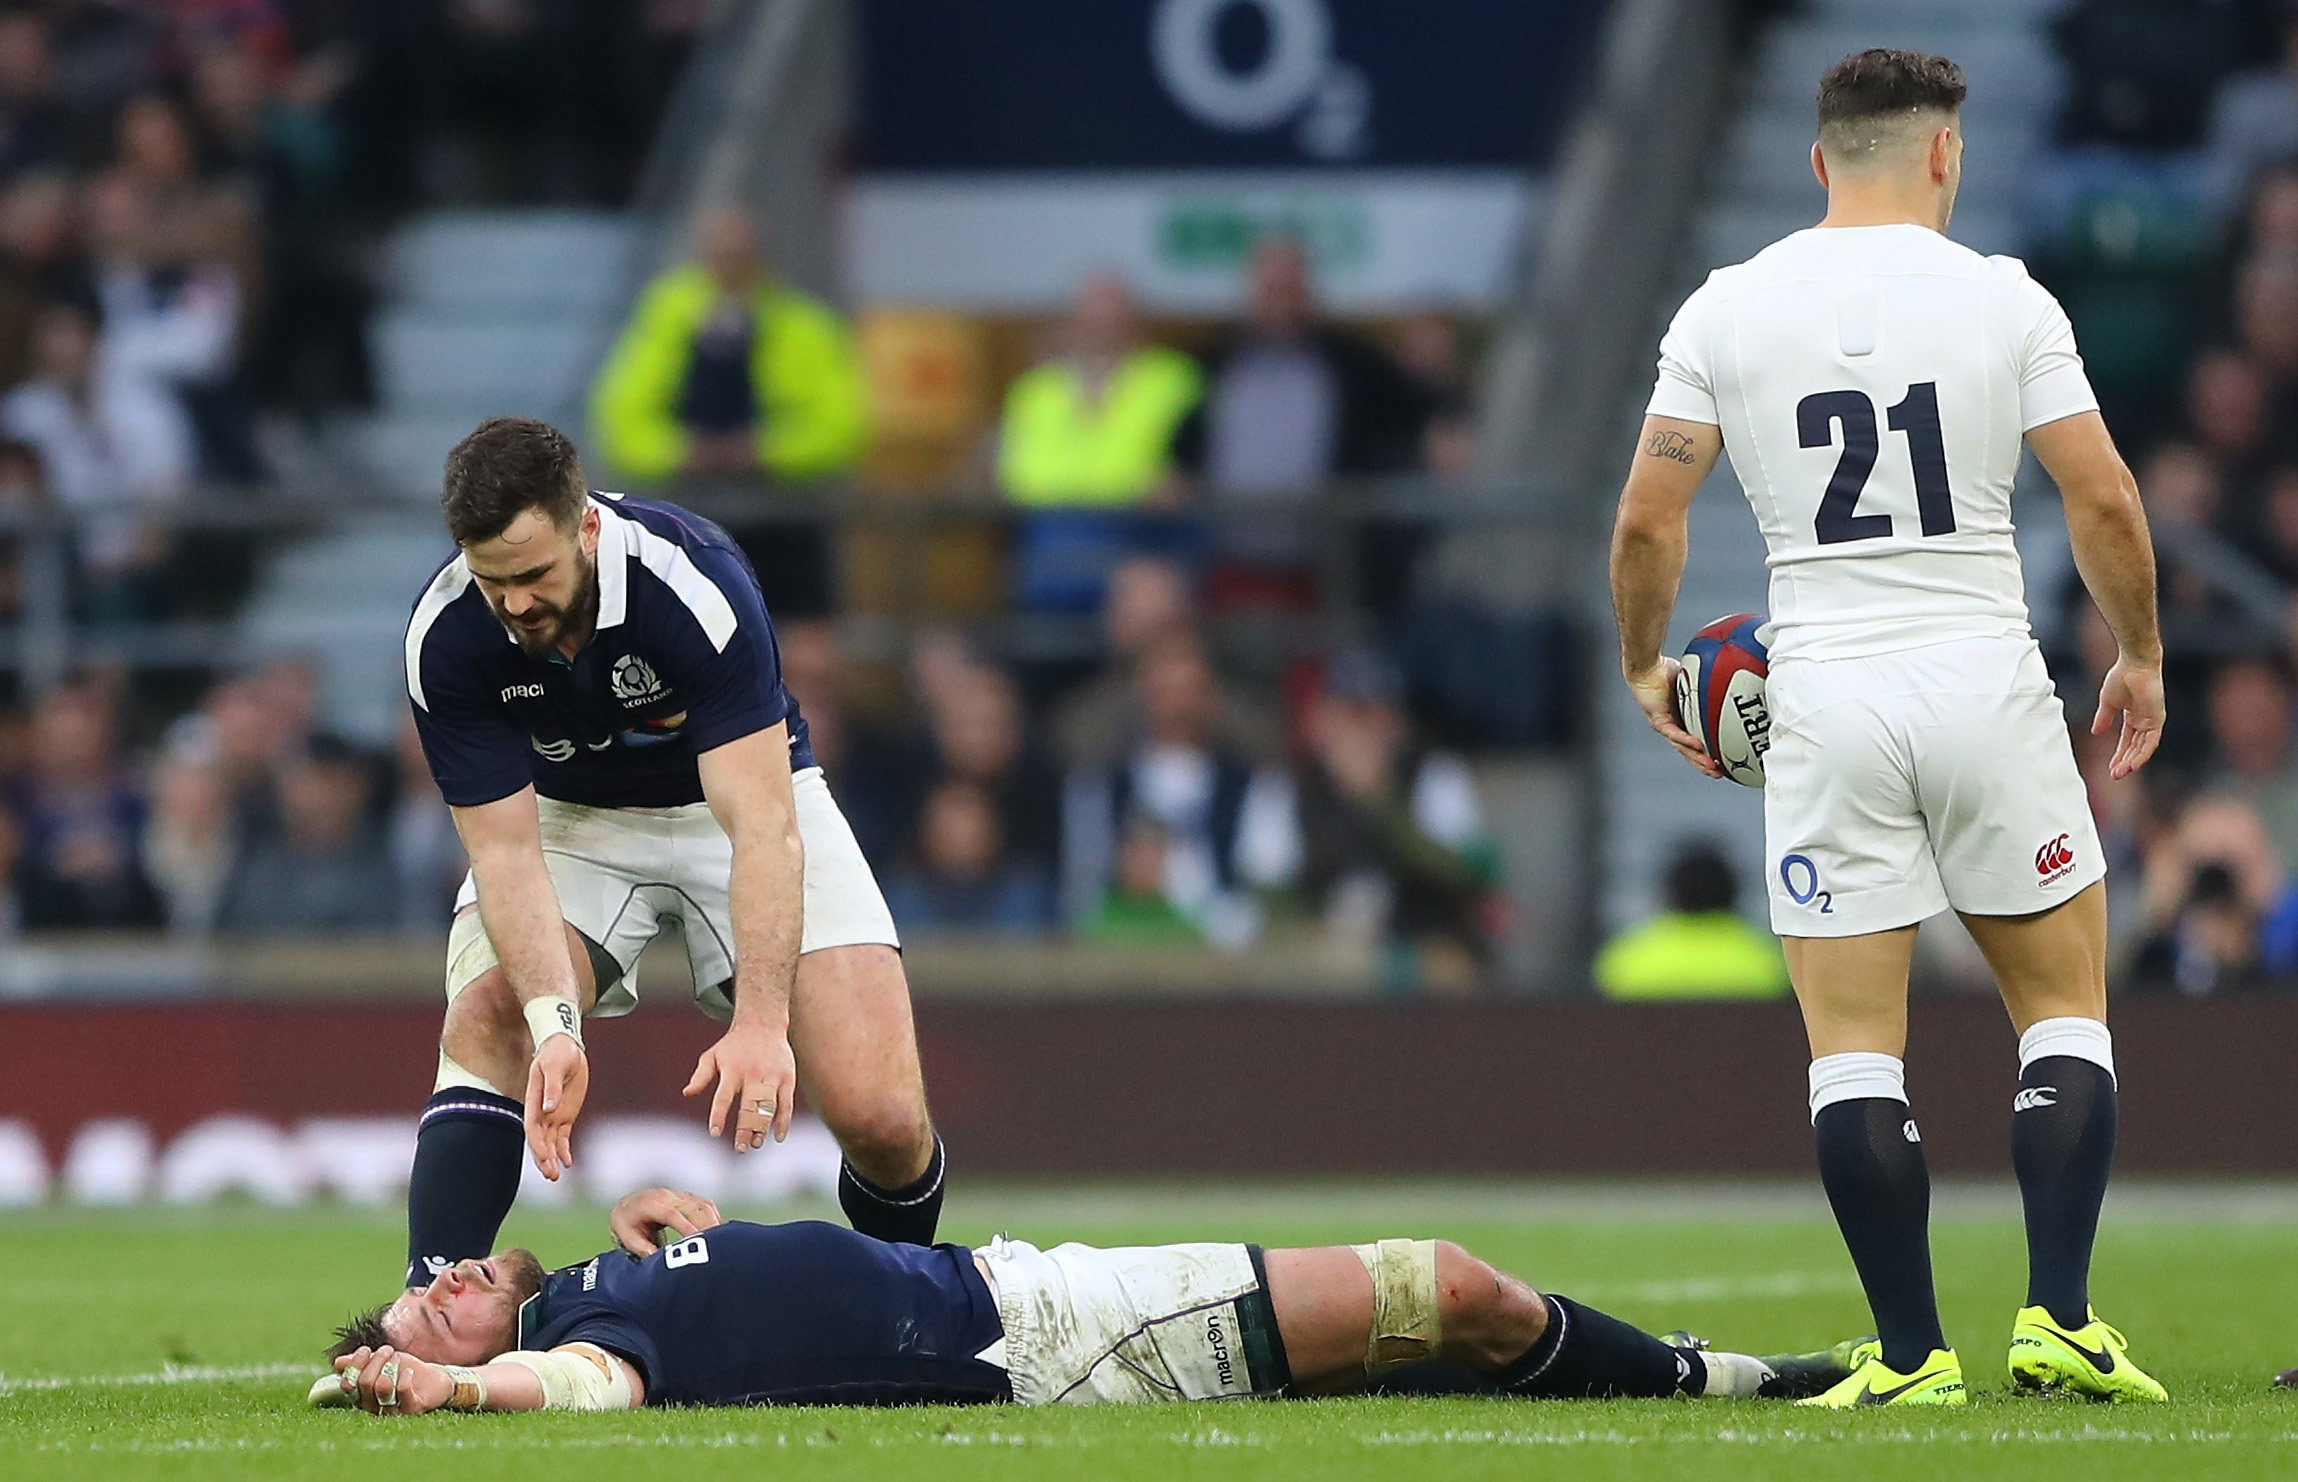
1060	446
1713	954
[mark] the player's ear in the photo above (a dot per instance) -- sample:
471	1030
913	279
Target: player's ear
590	529
1819	163
1943	154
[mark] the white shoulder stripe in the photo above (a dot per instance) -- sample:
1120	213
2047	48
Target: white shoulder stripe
678	572
444	589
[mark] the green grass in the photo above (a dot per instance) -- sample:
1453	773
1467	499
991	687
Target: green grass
122	1334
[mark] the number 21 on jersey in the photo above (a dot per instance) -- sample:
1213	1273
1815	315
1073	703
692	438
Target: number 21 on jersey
1916	415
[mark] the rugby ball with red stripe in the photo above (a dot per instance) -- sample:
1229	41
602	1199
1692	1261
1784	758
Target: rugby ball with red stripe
1720	698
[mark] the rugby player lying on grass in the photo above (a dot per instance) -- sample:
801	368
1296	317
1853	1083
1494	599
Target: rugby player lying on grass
697	1310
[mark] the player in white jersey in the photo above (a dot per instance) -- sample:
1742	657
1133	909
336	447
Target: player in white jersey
1873	383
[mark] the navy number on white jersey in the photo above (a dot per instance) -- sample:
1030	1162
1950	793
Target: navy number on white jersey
1917	415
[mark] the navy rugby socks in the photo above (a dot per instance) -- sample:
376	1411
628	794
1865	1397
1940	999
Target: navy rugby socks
2062	1144
1871	1163
1591	1355
904	1216
469	1152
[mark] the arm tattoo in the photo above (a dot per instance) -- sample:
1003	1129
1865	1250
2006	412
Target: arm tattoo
1666	444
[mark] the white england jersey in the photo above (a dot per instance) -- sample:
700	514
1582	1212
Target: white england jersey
1873	385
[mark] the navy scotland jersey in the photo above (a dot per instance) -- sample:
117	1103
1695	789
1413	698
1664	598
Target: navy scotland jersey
799	1314
682	660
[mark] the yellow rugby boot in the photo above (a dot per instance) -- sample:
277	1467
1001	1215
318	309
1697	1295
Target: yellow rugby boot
2092	1362
1938	1380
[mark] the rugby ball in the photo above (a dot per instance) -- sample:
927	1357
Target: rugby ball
1720	698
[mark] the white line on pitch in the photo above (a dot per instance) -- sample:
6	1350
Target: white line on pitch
170	1374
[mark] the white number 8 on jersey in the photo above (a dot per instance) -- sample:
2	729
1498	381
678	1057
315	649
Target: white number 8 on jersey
692	1251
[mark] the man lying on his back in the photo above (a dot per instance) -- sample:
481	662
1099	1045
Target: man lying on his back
697	1310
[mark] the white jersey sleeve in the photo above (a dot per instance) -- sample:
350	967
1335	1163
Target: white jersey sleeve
1686	387
2052	384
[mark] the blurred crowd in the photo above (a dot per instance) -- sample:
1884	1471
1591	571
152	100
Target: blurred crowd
191	195
1159	801
2166	217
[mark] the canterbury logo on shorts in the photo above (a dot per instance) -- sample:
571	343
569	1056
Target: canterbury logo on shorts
2054	861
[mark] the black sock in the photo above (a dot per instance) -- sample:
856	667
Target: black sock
1591	1355
2062	1144
1872	1165
903	1216
469	1153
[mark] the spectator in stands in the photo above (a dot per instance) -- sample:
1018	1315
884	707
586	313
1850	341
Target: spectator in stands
83	819
1148	598
981	736
1290	403
1094	425
2254	121
2226	408
1197	790
724	370
328	870
1699	946
32	126
1428	349
2204	930
1136	909
11	855
38	263
108	439
2212	944
190	841
1392	848
960	879
2266	317
21	492
172	316
427	857
2250	724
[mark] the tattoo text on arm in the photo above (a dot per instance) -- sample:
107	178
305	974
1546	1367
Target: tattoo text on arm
1667	444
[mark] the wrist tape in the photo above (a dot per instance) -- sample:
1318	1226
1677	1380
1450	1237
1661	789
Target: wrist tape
553	1015
576	1376
470	1389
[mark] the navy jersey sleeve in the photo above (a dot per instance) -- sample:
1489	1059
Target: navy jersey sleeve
476	755
733	688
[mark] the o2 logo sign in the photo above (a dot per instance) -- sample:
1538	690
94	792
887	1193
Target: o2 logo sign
1801	877
1297	76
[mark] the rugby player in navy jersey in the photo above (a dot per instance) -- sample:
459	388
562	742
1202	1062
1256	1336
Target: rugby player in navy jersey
599	695
693	1310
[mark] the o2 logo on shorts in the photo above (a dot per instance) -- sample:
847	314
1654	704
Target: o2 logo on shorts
2054	861
1801	877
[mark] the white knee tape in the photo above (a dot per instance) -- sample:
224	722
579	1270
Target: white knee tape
1856	1075
1406	1324
470	954
454	1077
2079	1039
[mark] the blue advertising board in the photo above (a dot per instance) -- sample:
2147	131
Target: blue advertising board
994	86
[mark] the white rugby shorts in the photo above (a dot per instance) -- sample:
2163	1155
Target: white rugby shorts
620	873
1086	1326
1898	785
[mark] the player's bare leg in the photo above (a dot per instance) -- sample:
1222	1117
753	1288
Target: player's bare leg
1854	996
856	1046
2051	968
470	1147
1341	1329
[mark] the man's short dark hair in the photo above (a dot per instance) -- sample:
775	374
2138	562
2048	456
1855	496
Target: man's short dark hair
1880	86
507	466
363	1331
1700	880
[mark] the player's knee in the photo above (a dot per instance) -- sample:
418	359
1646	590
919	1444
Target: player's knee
1489	1316
484	1030
883	1133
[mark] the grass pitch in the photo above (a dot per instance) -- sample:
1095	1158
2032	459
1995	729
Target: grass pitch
178	1344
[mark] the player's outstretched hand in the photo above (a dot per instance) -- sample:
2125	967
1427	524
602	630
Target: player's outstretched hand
757	1082
385	1381
637	1217
557	1082
2135	692
1655	692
